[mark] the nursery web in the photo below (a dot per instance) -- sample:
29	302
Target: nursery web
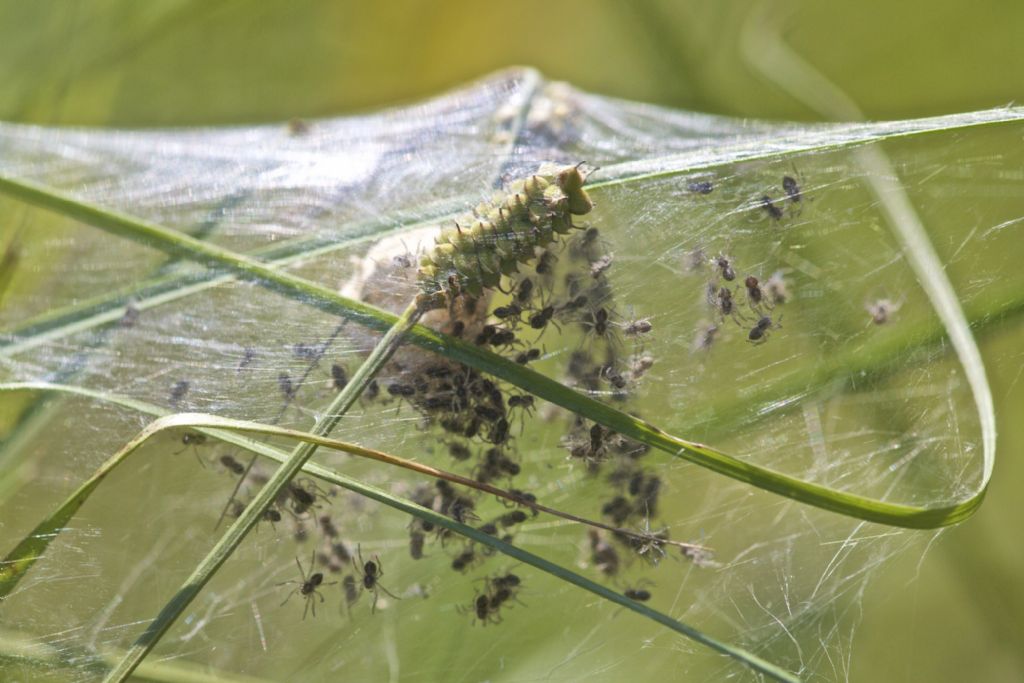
740	287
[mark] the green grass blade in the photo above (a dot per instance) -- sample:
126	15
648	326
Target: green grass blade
100	310
20	560
24	651
803	81
842	502
263	499
24	555
162	289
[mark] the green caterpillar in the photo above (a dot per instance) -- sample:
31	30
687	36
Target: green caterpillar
472	255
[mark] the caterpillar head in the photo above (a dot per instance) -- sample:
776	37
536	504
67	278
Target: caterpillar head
571	179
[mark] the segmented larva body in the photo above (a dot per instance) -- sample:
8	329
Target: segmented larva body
471	255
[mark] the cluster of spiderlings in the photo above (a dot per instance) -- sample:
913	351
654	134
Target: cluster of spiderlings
498	591
571	287
635	489
794	196
551	274
475	419
444	498
512	247
500	235
730	299
458	399
749	303
299	502
365	577
336	556
599	366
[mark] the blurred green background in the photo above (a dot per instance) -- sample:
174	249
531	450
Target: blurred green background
958	614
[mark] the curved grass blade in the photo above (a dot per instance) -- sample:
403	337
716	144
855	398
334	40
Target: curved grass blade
265	497
170	286
26	651
876	360
842	502
16	564
806	83
29	550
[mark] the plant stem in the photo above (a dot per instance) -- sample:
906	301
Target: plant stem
263	500
817	495
24	650
43	534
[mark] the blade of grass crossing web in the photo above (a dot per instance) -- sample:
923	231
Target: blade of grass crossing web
28	552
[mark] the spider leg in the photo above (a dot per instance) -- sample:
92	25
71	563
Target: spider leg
294	591
388	592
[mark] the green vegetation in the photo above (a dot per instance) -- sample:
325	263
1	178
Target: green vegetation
244	276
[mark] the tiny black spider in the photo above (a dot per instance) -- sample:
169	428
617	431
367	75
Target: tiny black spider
725	267
638	594
527	356
178	391
339	378
792	189
701	187
768	205
370	573
232	465
759	332
308	586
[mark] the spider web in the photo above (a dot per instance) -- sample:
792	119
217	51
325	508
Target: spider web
832	395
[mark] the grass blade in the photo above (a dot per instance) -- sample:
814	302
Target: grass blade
842	502
231	539
24	650
31	548
20	560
